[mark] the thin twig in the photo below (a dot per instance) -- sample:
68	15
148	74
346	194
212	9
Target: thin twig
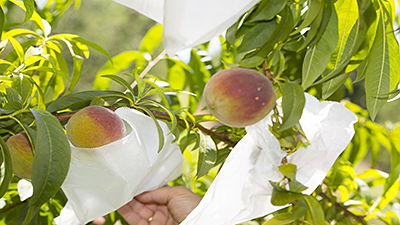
344	209
149	67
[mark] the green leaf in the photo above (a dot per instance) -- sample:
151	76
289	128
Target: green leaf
315	8
329	87
123	82
347	13
377	71
268	10
394	174
2	20
76	38
23	86
152	39
282	197
68	100
288	170
141	85
293	101
318	57
280	33
119	62
207	155
51	160
281	219
18	49
6	161
315	209
29	8
257	36
76	74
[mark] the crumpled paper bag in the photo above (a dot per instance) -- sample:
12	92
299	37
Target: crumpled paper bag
102	180
241	190
188	23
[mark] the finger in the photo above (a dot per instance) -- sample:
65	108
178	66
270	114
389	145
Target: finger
131	216
159	218
160	196
141	209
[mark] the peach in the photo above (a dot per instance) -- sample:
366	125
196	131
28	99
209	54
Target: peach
239	97
21	155
94	126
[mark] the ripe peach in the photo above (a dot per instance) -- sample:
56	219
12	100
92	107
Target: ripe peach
21	155
239	97
94	126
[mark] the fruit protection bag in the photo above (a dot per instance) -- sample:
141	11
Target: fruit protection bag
103	179
241	190
187	23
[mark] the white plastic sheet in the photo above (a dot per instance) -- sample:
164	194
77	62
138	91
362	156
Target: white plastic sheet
102	180
241	190
188	23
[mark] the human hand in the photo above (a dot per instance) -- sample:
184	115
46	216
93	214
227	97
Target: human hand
164	206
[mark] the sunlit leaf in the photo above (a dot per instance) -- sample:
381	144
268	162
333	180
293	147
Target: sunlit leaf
207	155
30	8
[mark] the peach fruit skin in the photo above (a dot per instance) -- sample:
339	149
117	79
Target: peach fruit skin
239	97
21	155
94	126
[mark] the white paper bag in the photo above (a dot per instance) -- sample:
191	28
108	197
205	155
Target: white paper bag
188	23
103	179
241	190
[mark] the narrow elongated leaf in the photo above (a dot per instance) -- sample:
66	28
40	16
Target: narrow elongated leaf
293	101
122	82
318	57
207	155
281	32
119	62
334	69
6	160
314	8
268	10
257	36
93	45
52	156
76	74
280	219
152	39
329	87
377	71
2	20
30	8
18	49
394	174
315	209
68	100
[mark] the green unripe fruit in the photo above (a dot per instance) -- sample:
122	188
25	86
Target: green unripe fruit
21	155
239	97
94	126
